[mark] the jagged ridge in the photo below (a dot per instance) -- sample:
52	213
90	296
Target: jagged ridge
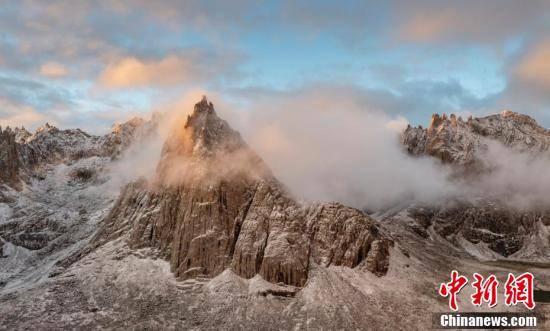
453	140
21	152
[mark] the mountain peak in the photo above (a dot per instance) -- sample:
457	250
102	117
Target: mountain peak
203	115
206	146
204	105
46	128
206	133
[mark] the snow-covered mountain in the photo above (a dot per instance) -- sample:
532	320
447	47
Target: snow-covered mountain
213	240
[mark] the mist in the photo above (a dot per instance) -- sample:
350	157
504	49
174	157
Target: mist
141	158
521	180
337	149
341	148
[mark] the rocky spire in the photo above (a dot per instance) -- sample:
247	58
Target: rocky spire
204	106
203	134
204	145
436	121
209	132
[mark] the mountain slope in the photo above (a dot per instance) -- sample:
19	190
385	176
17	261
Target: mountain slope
55	187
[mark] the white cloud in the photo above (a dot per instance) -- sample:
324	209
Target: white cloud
326	146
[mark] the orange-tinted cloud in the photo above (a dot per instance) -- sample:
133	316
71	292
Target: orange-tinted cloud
428	26
132	72
54	69
535	66
12	114
471	21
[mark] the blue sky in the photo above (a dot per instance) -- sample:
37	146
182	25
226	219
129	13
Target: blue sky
92	63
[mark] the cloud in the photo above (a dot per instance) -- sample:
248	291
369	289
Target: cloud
131	72
519	179
160	48
32	103
428	26
34	93
16	115
528	84
335	146
329	145
415	100
535	66
195	66
321	146
54	69
482	22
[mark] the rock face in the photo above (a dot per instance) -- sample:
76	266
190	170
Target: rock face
214	204
9	160
486	221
